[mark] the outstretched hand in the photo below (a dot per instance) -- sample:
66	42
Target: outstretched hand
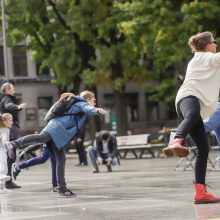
101	111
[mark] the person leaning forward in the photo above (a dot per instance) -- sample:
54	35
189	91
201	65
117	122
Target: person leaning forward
60	130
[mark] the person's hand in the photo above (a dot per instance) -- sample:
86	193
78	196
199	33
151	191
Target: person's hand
109	161
99	160
10	149
22	105
101	111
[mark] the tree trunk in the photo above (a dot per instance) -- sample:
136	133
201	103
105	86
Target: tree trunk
121	114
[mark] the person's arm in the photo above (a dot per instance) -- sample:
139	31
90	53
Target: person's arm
114	147
10	106
88	109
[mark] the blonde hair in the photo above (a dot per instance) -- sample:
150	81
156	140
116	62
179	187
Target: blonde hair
65	94
4	117
199	41
86	94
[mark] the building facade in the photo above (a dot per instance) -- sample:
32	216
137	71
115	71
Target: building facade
37	91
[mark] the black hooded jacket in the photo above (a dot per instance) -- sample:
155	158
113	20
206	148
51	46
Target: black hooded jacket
8	104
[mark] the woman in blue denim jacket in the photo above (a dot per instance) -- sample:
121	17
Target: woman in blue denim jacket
60	130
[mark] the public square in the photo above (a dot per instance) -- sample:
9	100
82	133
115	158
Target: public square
138	189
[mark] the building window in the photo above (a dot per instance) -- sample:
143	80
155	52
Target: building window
44	104
19	61
2	72
131	106
152	109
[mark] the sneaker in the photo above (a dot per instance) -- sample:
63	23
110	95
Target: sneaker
55	189
11	185
5	178
66	194
176	148
15	170
4	190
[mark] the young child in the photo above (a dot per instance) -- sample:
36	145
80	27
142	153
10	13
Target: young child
6	122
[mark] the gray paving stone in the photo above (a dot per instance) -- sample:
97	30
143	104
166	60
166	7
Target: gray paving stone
139	189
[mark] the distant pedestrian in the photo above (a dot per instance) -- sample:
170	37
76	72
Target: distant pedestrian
78	142
196	100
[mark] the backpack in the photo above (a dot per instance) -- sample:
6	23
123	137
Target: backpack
59	108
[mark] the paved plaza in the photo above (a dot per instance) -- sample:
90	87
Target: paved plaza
138	189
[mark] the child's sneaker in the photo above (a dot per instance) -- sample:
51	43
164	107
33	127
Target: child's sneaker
5	178
15	170
66	194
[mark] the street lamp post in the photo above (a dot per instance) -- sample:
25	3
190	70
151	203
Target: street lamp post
4	41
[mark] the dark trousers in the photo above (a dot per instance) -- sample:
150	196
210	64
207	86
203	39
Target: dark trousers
81	152
188	110
45	155
60	155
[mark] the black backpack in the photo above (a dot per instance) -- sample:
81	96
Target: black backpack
59	108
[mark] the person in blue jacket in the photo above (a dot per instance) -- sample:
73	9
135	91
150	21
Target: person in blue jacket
213	124
60	131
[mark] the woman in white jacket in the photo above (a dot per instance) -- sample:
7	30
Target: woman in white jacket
196	100
6	122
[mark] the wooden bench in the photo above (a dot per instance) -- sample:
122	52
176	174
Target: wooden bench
138	145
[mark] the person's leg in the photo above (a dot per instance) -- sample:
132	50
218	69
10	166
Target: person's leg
93	157
36	160
81	153
41	138
53	169
188	110
16	168
199	137
61	161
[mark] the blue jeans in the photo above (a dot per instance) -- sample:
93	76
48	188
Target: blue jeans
213	124
45	154
93	156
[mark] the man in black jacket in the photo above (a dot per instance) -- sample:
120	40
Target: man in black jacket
105	151
8	104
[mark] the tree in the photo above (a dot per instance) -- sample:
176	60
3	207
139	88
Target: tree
51	40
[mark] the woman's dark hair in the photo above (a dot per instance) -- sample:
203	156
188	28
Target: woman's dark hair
199	41
105	135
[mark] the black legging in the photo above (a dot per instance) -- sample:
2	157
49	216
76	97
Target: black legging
188	110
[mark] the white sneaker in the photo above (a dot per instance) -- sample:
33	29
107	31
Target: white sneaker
5	178
4	190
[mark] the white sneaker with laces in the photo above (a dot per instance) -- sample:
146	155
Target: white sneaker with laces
5	178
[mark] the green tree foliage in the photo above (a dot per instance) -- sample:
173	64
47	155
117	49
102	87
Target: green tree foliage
110	43
51	40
